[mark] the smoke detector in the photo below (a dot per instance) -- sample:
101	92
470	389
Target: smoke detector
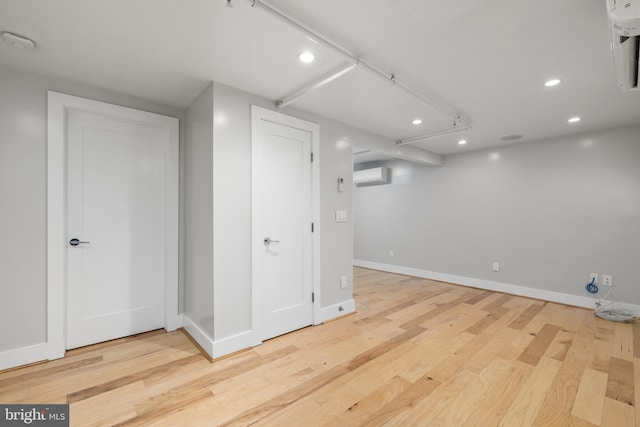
17	41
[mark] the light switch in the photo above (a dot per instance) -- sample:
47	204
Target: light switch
341	216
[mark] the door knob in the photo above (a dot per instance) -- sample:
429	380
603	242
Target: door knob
76	242
267	241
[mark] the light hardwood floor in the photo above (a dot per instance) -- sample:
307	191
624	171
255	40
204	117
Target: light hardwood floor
417	353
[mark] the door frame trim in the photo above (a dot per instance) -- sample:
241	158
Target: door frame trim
57	106
259	114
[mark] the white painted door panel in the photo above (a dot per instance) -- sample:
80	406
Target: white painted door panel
283	191
115	201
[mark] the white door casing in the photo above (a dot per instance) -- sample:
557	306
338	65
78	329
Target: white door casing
284	204
165	131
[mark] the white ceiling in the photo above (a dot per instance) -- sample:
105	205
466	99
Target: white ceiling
487	58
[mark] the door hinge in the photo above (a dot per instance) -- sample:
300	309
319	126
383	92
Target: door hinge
312	157
313	297
312	227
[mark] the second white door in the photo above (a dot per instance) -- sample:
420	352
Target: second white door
282	198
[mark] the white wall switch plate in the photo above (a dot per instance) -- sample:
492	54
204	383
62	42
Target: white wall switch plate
496	266
341	216
343	282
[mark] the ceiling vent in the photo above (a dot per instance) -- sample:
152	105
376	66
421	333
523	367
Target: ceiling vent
624	24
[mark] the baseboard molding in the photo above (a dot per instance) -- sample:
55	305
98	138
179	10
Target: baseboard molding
524	291
24	356
337	310
198	335
173	323
234	343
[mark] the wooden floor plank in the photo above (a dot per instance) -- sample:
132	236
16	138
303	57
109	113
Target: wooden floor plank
417	352
534	352
636	389
524	319
623	342
498	398
620	385
403	403
156	371
526	405
589	402
560	397
617	414
358	412
636	339
474	394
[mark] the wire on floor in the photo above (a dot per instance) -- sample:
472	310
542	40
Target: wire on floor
604	311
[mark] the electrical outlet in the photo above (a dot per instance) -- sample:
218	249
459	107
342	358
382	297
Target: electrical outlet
343	282
496	266
607	280
391	252
594	277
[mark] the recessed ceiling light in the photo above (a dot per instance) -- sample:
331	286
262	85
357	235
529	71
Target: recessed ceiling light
574	119
417	121
552	82
462	142
306	57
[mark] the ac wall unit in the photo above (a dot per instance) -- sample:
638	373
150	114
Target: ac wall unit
624	24
374	175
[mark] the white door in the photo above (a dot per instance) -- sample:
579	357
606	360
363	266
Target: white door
116	214
282	210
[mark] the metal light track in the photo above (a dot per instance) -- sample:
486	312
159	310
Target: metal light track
460	121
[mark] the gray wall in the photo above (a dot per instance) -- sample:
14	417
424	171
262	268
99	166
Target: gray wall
23	201
232	206
198	254
550	212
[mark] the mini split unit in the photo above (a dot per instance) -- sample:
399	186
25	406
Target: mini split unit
624	23
371	176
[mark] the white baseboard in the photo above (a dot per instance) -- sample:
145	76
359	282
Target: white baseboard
337	310
562	298
235	343
24	356
221	347
201	337
173	322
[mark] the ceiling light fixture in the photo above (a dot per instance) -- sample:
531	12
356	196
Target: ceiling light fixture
462	142
306	57
417	121
20	42
552	82
574	119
